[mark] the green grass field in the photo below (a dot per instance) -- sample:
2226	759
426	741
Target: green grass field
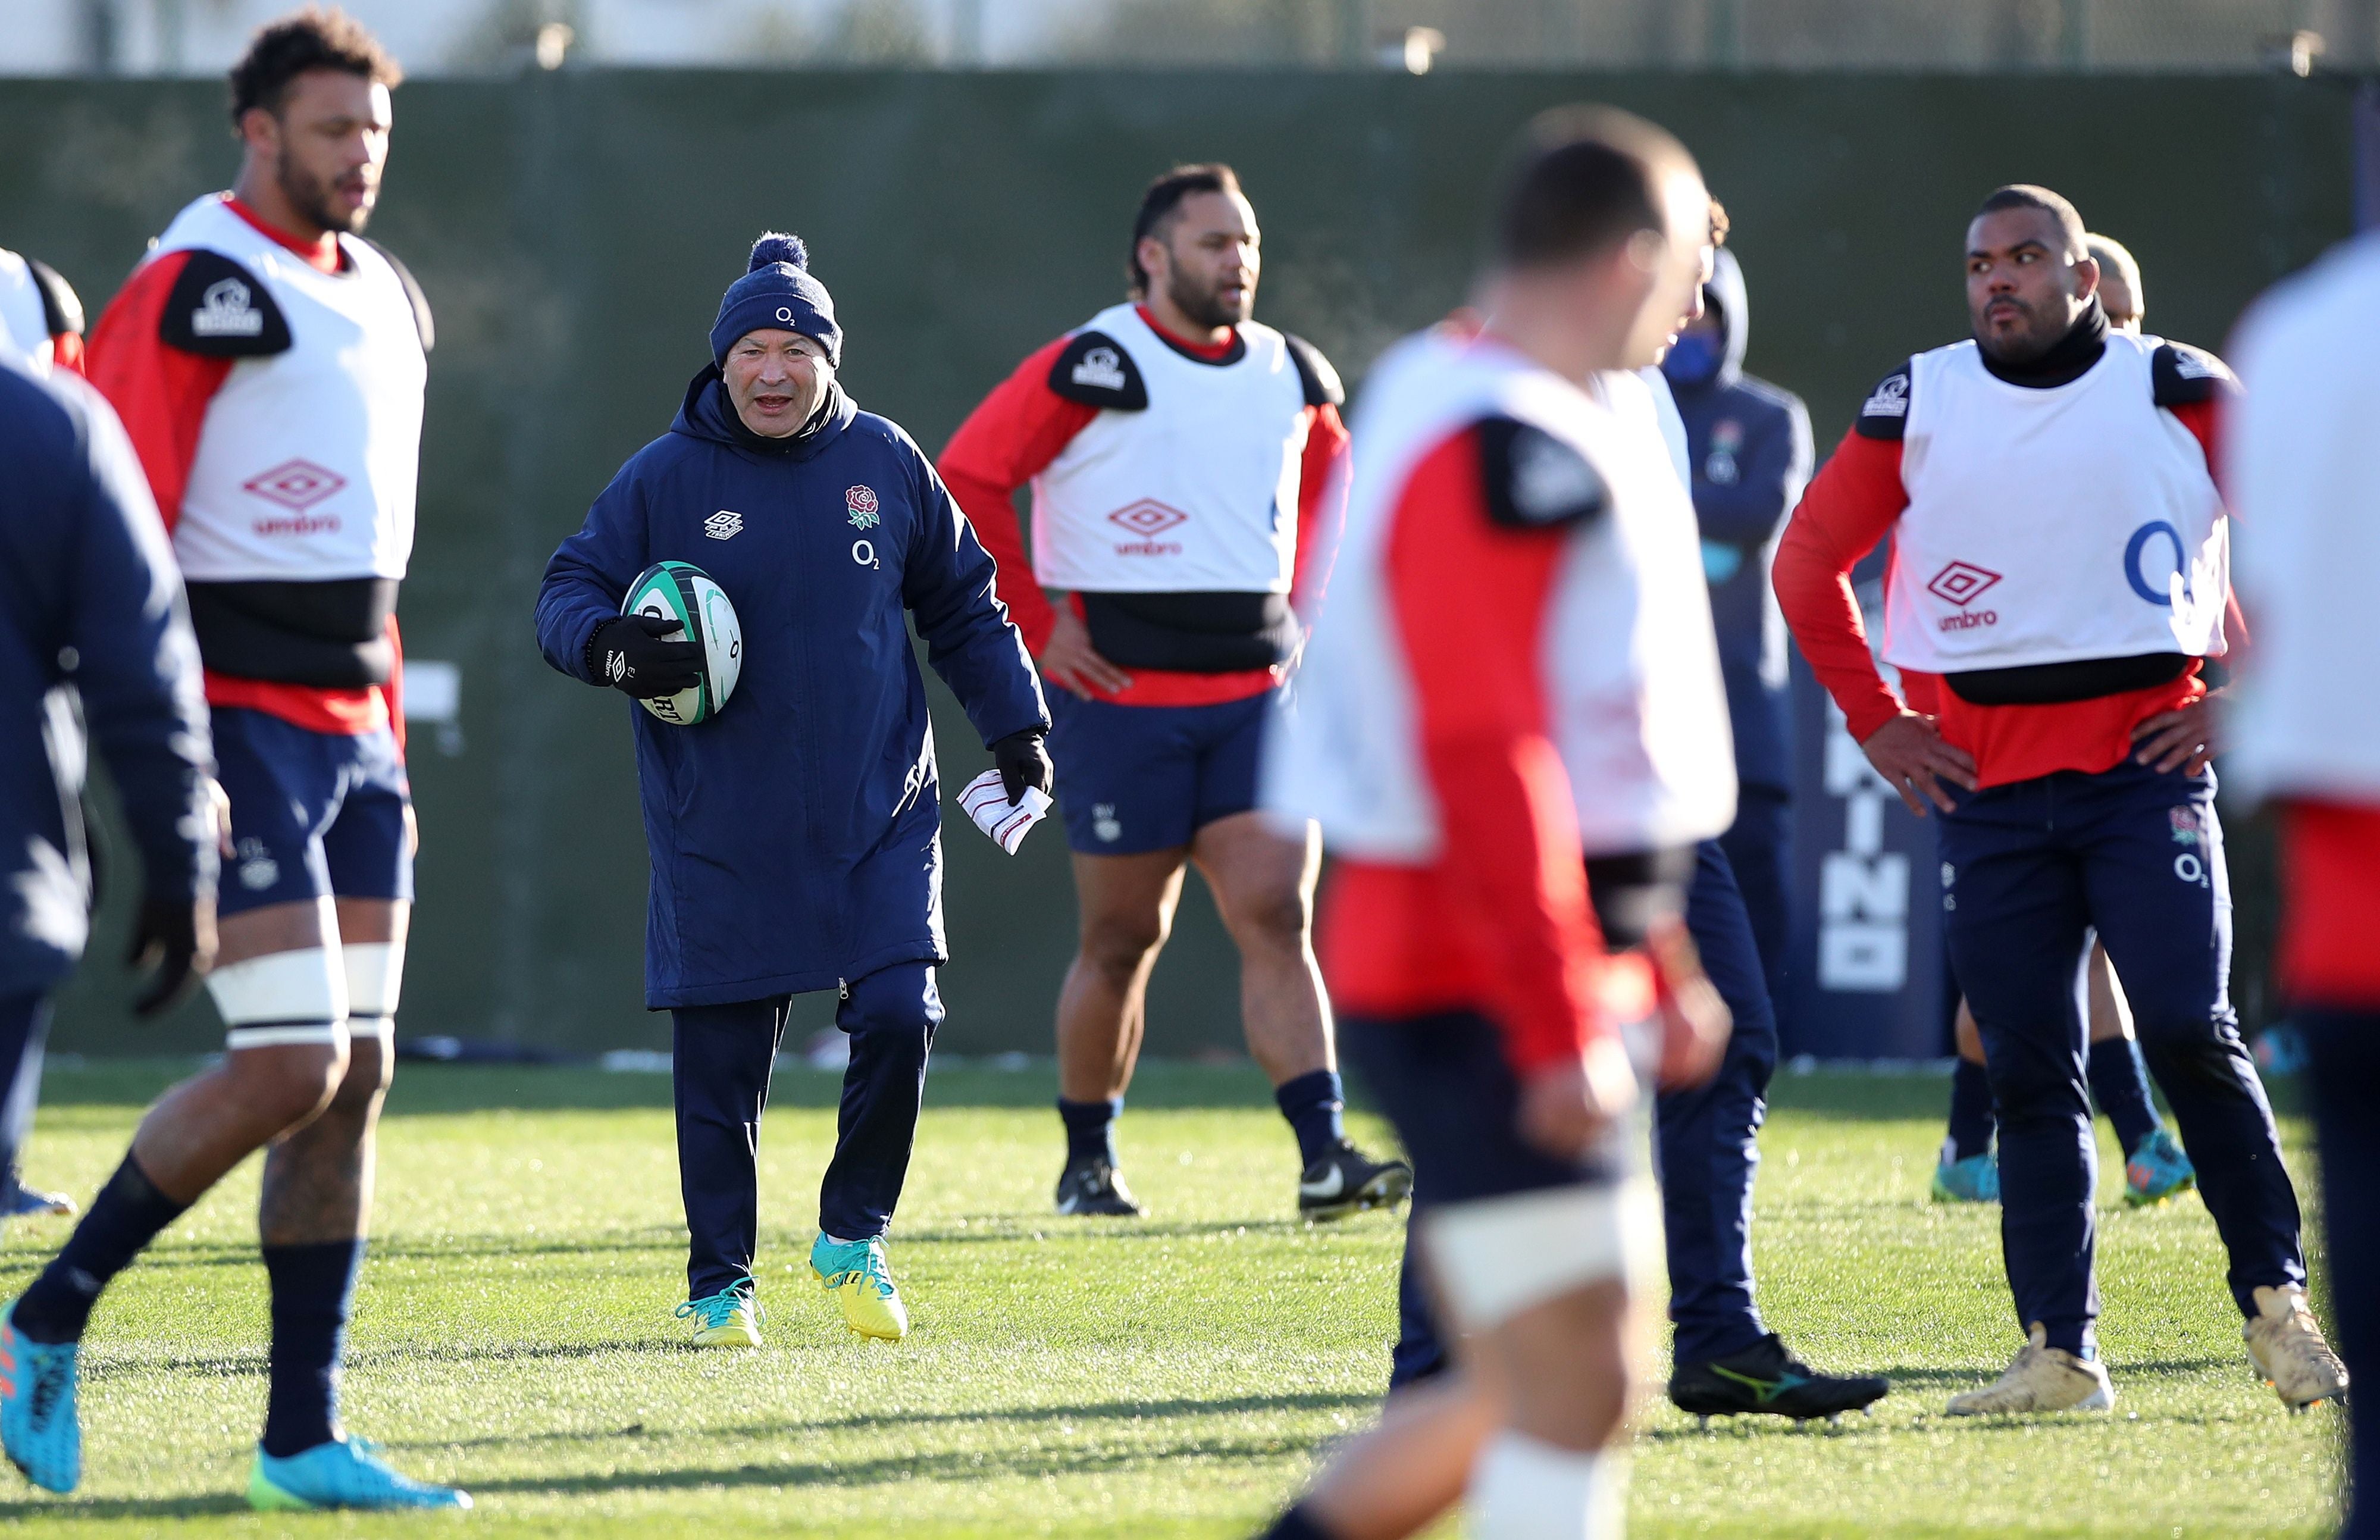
1168	1378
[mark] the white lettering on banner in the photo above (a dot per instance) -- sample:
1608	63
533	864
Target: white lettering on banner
1863	889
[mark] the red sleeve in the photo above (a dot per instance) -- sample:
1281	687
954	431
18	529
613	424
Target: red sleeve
1471	602
1321	507
2205	420
1005	441
66	351
1851	504
160	391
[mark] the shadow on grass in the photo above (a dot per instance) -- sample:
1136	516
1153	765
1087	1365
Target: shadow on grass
1098	1411
198	1505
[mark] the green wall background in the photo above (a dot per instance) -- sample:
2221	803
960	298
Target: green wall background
573	231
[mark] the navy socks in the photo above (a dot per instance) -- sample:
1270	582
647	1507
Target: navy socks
2120	1083
1090	1129
313	1290
1314	1104
1970	1112
124	1219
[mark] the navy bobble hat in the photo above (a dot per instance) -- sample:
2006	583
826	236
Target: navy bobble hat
777	292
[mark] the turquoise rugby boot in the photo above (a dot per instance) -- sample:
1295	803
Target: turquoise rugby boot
2157	1170
344	1473
857	1274
1974	1179
39	1424
729	1319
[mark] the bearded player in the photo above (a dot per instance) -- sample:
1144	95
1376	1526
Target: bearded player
269	364
1185	463
2061	576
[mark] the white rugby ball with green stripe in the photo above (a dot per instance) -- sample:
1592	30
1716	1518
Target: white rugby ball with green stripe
682	592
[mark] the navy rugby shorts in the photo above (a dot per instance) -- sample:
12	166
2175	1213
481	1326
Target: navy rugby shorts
1133	778
311	813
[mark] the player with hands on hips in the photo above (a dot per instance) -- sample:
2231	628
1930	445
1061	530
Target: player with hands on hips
2060	577
268	363
1512	728
1186	466
795	834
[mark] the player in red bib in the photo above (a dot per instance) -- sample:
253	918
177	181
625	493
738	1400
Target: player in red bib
268	362
1186	462
2298	457
2060	574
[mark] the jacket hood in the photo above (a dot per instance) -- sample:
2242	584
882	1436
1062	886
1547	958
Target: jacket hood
706	414
1726	294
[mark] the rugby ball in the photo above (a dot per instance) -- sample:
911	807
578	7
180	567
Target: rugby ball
682	592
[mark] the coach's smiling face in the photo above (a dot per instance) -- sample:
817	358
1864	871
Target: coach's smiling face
777	380
2025	288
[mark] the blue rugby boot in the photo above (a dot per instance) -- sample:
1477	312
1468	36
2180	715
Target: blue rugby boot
2157	1170
1974	1179
39	1424
18	1201
345	1473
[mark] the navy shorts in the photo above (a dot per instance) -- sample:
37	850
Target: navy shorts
1133	778
311	813
1443	1081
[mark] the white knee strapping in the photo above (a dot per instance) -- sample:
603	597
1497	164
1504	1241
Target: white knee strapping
1496	1257
375	973
1523	1488
281	998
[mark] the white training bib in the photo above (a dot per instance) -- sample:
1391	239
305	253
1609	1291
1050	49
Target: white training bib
308	458
1629	660
2051	525
1196	492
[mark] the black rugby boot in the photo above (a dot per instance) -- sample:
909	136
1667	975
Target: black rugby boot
1767	1378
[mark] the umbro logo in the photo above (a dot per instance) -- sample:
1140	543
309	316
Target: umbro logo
1101	370
616	665
225	310
1962	583
724	524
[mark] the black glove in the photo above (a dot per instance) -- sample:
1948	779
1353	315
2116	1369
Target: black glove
627	653
168	937
1023	762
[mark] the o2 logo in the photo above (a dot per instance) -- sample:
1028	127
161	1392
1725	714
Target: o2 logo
2139	547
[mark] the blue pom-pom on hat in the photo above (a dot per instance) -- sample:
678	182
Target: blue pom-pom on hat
777	292
775	246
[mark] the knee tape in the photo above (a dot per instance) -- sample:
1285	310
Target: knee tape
1538	1244
375	973
282	998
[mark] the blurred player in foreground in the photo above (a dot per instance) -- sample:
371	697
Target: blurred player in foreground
2154	1166
1725	1361
2299	455
1187	475
1518	667
268	362
40	318
2061	571
796	837
93	583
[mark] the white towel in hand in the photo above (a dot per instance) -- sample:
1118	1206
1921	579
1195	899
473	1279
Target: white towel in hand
986	801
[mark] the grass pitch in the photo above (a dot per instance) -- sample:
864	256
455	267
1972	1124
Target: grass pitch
1167	1377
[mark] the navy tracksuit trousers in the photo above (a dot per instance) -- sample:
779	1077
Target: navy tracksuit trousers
2028	870
24	1030
1759	847
2344	1082
1704	1149
723	1055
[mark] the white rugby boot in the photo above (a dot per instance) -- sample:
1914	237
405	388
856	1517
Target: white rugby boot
2043	1379
2285	1344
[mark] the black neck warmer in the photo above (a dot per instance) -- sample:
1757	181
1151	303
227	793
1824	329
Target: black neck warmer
791	441
2067	359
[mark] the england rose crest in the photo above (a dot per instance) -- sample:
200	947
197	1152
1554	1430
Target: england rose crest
861	500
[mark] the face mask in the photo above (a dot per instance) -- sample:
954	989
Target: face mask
1693	359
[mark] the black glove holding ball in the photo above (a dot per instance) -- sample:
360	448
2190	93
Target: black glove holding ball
1023	762
627	653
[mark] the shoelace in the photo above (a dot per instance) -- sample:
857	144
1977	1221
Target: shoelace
869	1269
49	1388
720	1308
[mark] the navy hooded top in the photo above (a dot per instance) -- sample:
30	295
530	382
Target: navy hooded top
1748	443
95	609
795	836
